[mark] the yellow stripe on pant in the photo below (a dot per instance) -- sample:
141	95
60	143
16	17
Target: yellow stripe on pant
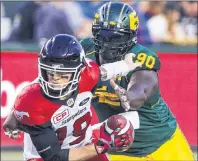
175	149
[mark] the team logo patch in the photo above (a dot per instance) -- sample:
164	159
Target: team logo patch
84	101
21	114
100	149
70	102
61	116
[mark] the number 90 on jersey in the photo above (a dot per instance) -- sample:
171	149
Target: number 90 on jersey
147	60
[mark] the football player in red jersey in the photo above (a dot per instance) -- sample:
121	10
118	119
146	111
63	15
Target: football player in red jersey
54	110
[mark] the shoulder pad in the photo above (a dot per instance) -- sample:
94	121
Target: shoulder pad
89	76
24	108
148	59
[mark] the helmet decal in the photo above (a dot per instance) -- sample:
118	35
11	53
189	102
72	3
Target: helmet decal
134	21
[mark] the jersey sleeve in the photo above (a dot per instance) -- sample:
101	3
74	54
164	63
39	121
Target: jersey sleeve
86	43
88	47
149	60
25	111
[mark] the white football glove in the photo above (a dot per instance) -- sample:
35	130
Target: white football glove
119	68
13	134
128	59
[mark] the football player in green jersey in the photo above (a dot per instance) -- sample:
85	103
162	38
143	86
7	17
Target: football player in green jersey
159	137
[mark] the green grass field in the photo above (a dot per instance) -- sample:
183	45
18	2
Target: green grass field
18	156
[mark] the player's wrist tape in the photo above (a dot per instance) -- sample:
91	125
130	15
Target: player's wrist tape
112	70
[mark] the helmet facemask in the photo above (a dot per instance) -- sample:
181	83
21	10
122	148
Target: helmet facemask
60	63
112	45
62	89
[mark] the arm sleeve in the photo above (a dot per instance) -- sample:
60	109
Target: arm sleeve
45	140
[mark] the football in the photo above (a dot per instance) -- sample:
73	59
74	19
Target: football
123	132
116	122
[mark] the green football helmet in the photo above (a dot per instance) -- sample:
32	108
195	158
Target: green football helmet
114	30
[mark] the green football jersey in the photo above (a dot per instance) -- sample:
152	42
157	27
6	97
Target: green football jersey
157	123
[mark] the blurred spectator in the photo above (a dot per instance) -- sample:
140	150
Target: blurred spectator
38	21
173	25
11	8
142	10
189	21
176	33
74	12
90	7
157	24
164	25
2	10
51	19
80	24
5	24
23	24
159	21
88	10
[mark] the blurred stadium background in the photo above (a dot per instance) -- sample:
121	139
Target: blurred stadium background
167	27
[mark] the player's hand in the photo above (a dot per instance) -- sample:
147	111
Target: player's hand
13	134
10	131
116	134
10	126
121	92
119	68
129	60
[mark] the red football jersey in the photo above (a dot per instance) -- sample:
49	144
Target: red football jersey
72	123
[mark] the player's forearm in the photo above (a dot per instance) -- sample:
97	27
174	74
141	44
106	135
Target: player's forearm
83	153
10	122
